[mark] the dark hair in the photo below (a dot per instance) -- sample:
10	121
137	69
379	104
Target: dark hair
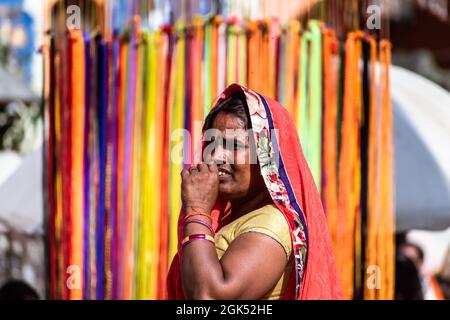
419	250
17	290
407	279
236	105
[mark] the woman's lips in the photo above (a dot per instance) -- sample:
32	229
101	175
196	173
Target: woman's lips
223	173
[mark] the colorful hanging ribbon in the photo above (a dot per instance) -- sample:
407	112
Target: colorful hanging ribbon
119	107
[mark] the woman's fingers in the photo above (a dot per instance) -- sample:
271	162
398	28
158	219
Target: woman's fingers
203	167
213	167
208	167
193	170
185	173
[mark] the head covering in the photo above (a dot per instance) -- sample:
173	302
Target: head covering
292	188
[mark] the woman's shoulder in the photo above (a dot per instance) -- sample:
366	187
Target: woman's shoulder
268	220
269	209
269	213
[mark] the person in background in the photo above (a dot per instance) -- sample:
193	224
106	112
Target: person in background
407	279
430	286
17	290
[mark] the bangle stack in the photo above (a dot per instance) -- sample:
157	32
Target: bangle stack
195	237
191	218
194	214
201	222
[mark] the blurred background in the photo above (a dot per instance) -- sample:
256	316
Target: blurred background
21	136
420	82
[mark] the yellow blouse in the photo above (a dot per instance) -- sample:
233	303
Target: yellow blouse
267	220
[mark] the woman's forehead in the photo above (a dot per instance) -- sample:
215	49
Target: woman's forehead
224	121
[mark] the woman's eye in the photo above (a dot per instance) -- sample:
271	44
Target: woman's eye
238	146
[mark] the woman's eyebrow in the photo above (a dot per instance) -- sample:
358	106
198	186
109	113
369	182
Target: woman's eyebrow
235	135
235	140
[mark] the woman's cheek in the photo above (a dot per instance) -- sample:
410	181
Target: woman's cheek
242	157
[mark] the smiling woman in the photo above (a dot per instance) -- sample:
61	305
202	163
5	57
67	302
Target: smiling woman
252	224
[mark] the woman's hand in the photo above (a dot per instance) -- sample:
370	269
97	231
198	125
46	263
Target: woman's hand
252	264
200	188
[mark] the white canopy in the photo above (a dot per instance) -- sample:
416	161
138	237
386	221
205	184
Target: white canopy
21	195
9	162
422	148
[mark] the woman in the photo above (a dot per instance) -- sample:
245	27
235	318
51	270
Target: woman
251	229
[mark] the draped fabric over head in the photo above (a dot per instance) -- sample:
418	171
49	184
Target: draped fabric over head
292	188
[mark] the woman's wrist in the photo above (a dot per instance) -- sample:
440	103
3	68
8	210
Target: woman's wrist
197	224
191	209
199	221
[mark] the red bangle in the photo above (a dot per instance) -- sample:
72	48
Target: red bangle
193	214
198	221
194	237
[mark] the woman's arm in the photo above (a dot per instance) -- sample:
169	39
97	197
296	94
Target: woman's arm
250	267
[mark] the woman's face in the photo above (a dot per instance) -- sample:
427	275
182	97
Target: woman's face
235	154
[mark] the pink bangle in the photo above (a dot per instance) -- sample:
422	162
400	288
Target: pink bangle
194	237
198	221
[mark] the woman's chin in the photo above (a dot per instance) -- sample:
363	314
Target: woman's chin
225	192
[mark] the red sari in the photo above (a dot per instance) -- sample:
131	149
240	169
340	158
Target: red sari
293	190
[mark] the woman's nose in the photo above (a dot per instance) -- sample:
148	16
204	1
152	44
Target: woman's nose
220	154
